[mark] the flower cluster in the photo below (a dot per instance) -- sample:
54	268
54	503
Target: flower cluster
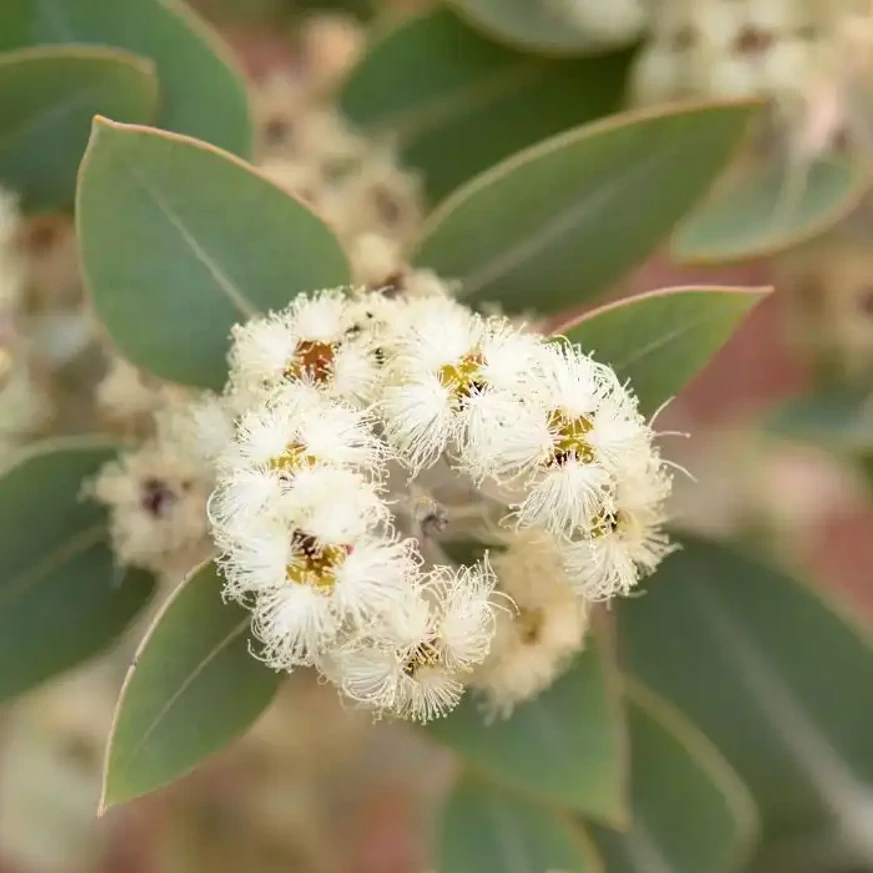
331	399
540	425
359	436
808	58
305	527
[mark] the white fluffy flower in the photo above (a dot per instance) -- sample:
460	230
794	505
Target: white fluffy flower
310	589
307	343
453	376
282	437
560	446
328	587
435	358
157	507
320	559
283	440
463	613
624	543
416	669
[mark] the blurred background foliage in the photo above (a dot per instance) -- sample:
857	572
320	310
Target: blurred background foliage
720	721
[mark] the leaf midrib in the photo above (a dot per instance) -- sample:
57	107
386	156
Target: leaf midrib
77	543
239	300
184	686
813	752
564	222
663	339
407	125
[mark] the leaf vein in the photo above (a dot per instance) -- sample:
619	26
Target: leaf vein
562	224
186	684
239	300
78	543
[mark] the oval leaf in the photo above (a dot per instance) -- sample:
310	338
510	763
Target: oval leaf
485	830
202	95
535	27
48	97
688	810
192	687
760	213
565	747
207	242
62	597
770	673
661	339
456	103
559	222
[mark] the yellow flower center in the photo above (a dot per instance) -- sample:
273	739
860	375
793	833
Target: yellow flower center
568	441
425	654
318	563
605	523
463	376
294	458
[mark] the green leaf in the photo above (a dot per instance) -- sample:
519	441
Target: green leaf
838	419
556	224
202	94
565	747
456	103
759	214
48	97
62	597
203	241
771	673
689	811
531	26
192	687
484	830
661	339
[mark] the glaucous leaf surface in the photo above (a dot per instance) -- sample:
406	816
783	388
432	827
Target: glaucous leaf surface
772	673
558	223
688	810
48	97
566	747
660	340
488	830
765	211
63	598
202	94
192	687
456	103
180	241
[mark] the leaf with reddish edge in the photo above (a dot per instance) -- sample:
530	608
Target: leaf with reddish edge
661	339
